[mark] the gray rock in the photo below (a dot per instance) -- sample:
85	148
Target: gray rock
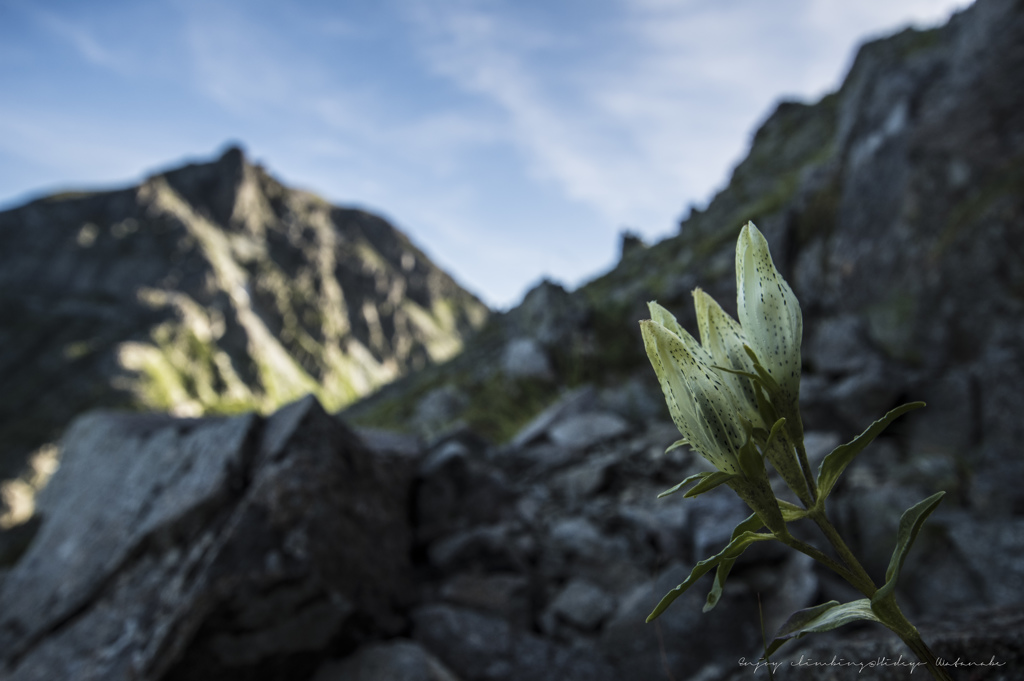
713	517
579	537
582	604
395	660
436	410
683	639
583	480
491	547
665	525
585	430
572	403
820	444
635	399
576	547
838	345
503	593
473	645
150	472
991	548
525	358
783	588
287	533
457	489
477	646
539	459
390	442
551	314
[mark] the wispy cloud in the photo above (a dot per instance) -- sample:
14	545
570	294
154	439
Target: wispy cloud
659	117
83	40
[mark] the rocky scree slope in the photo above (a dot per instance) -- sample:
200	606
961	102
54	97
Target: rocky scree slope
210	288
895	207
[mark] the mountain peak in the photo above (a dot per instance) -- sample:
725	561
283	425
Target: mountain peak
211	287
218	187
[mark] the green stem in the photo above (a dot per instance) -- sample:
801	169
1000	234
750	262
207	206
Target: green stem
886	610
805	466
892	617
861	579
806	549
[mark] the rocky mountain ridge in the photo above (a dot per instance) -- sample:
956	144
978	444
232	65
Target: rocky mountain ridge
210	288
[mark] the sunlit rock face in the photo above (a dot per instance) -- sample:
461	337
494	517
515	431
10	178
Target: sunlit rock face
209	288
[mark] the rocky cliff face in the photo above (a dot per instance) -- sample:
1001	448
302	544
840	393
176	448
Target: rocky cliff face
524	539
895	207
209	288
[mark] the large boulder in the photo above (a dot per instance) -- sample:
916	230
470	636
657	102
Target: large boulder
221	548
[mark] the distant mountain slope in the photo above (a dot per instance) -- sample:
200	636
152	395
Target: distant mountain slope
208	288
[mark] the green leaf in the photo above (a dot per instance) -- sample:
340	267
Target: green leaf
751	462
790	511
677	444
737	372
910	524
771	386
684	483
824	617
731	552
775	433
836	462
709	483
751	524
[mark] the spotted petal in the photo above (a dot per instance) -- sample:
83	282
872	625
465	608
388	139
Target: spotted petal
701	406
768	312
723	338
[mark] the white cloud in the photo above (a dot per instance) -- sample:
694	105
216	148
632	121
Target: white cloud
637	131
83	40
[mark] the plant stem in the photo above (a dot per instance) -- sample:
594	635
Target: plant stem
829	562
892	617
805	466
886	609
861	579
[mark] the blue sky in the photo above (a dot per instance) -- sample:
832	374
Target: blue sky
511	139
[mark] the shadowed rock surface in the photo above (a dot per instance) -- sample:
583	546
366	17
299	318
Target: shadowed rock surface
213	548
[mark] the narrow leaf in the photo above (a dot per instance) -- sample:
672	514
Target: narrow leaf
709	483
790	511
763	377
684	483
836	462
677	444
775	433
751	462
737	372
731	552
824	617
751	524
910	524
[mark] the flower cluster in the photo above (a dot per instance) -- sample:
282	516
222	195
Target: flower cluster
735	398
734	395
